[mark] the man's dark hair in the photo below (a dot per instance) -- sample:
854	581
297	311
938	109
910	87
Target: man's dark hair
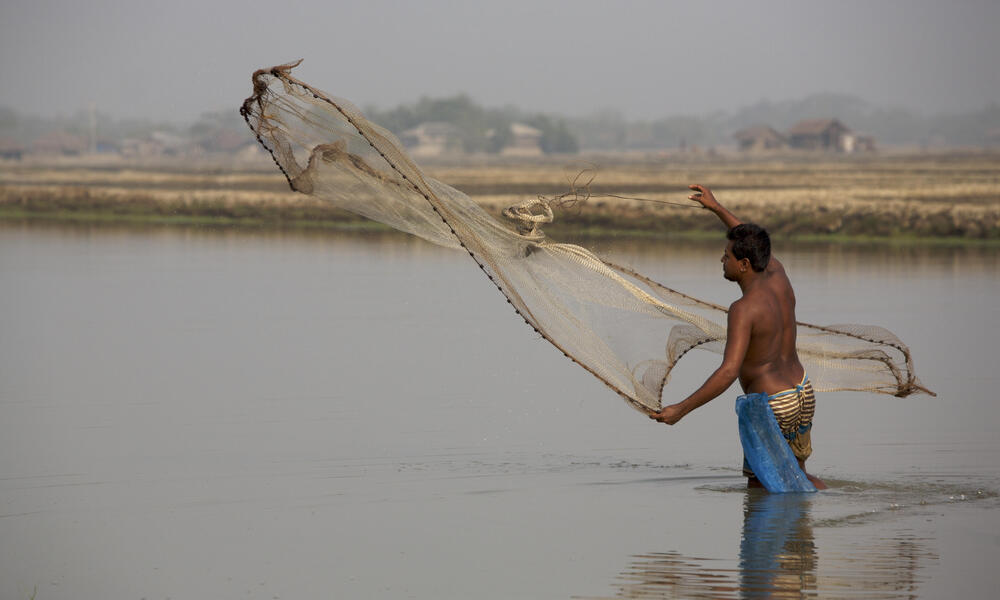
752	242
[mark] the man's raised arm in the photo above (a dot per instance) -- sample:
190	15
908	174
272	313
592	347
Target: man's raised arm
708	200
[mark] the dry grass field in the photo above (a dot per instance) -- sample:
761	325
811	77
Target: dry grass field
895	197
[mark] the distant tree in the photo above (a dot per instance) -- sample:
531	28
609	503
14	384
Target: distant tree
216	121
604	130
556	137
967	129
220	131
8	119
499	138
481	129
678	131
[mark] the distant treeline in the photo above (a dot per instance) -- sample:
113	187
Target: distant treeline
484	129
26	128
610	130
481	129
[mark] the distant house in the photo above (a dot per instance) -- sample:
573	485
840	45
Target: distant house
433	138
11	149
253	153
106	146
818	134
525	141
157	143
226	140
140	148
59	143
170	143
856	142
759	138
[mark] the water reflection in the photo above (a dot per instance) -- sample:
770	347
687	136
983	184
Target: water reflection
779	558
777	551
185	369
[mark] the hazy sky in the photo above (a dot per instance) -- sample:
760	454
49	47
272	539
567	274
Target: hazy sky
174	59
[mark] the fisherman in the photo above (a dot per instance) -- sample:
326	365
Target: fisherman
760	338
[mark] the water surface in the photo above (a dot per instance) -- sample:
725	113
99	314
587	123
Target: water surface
194	413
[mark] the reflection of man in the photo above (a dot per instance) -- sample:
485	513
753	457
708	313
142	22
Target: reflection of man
760	338
777	559
777	552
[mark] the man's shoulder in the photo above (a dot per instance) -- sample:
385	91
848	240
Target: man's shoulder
753	303
743	305
778	279
774	265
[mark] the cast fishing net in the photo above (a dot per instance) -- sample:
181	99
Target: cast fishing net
625	329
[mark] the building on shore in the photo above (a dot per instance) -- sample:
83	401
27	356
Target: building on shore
60	143
525	141
158	144
11	149
226	141
856	142
432	138
818	134
760	138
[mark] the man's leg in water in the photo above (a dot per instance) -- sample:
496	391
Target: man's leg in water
801	445
754	483
816	481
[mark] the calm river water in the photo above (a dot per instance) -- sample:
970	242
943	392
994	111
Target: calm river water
190	413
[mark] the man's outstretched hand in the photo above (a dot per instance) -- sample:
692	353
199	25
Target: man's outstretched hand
668	414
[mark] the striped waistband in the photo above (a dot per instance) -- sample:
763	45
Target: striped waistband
798	389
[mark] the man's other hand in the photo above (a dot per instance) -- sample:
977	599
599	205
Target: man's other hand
705	196
668	414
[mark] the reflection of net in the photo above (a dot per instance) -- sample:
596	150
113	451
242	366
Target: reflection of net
624	328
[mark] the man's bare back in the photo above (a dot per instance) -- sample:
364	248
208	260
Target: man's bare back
771	363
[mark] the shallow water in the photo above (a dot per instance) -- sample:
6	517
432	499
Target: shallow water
199	413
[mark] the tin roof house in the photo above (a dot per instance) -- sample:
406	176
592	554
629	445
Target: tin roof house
818	134
525	141
432	138
760	138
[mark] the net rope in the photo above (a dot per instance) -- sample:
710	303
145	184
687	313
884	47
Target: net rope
624	328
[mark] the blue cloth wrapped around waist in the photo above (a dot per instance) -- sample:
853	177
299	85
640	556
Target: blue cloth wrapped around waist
766	449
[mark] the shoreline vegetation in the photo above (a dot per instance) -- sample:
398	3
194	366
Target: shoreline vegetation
899	199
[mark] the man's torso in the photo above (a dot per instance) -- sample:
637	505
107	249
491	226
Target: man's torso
771	363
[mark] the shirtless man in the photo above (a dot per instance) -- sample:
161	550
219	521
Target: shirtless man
760	338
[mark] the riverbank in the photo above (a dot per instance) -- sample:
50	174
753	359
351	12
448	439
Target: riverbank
898	199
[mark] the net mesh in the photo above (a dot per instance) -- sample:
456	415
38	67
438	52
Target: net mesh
622	327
